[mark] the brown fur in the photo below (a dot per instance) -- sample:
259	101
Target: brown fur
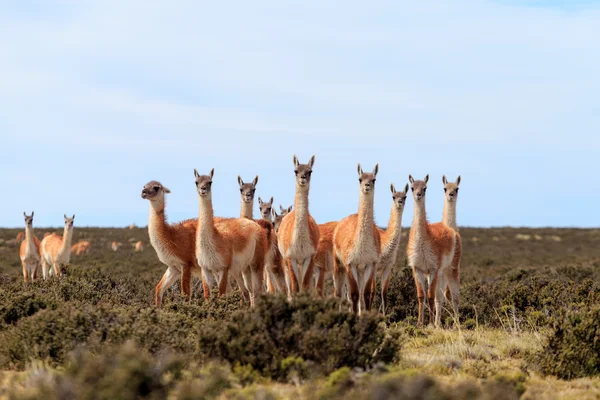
56	249
20	236
357	246
324	258
30	258
80	248
217	243
176	240
298	236
433	252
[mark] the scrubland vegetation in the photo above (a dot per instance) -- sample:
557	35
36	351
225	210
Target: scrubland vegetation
529	328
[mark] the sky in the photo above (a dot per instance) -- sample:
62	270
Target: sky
99	97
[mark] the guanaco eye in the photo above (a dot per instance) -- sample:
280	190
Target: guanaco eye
445	190
296	172
309	173
374	180
456	190
156	188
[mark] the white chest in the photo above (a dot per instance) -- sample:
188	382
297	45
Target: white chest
207	254
301	246
365	250
165	255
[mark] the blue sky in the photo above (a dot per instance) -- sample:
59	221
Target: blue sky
99	97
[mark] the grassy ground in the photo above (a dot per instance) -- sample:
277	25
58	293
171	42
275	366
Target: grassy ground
60	337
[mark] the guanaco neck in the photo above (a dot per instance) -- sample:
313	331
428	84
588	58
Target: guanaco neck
206	226
246	209
366	219
391	236
67	236
419	226
31	247
269	218
157	223
301	207
449	215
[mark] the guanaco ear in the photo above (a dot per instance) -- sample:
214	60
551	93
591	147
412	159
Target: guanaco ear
392	188
311	162
25	215
281	209
426	178
31	213
289	209
255	181
359	169
259	201
458	181
240	181
444	180
66	217
271	201
274	213
376	169
166	189
212	173
73	217
196	174
406	188
296	163
411	179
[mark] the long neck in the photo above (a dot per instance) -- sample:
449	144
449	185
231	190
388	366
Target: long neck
67	237
449	216
246	209
206	226
419	225
157	221
301	207
366	218
29	237
392	233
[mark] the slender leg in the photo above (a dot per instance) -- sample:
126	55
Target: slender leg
34	274
369	285
453	288
431	292
25	272
421	285
339	276
439	299
308	269
353	287
385	282
186	282
56	269
223	284
168	279
207	282
44	268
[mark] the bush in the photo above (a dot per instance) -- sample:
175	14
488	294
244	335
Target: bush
51	334
573	350
312	330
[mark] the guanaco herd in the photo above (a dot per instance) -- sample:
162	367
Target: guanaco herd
288	252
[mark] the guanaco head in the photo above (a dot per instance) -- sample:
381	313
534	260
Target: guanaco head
418	187
450	189
203	182
69	221
367	179
247	189
265	208
303	171
399	198
28	219
154	190
284	211
277	218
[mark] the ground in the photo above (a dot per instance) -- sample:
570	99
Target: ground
59	337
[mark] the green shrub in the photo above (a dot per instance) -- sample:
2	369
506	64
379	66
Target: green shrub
314	330
573	350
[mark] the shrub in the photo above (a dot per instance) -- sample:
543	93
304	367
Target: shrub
313	330
573	350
